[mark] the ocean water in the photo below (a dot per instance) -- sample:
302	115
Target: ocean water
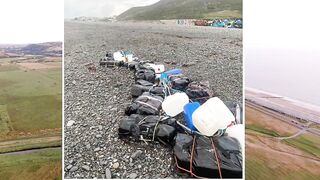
290	73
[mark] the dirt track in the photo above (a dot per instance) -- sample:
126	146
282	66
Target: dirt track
31	142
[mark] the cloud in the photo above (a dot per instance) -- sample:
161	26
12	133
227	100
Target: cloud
101	8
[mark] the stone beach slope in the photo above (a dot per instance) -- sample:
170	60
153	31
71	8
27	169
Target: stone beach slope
95	101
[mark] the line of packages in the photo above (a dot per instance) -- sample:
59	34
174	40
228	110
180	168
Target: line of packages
205	133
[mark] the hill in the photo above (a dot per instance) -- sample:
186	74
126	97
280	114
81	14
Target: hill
44	49
48	49
185	9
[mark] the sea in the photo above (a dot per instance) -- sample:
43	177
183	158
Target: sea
290	73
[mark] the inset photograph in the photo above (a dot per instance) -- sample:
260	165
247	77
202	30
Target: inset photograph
153	89
31	90
282	99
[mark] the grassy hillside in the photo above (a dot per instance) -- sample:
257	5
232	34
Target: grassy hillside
185	9
47	49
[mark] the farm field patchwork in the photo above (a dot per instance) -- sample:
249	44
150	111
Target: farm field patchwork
30	118
30	100
268	157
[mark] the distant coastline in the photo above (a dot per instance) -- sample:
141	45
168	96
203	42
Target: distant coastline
289	106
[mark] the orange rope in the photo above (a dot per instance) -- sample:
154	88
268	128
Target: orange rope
191	173
190	170
191	158
218	162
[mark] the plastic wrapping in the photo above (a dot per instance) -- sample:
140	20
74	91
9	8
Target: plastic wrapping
198	92
126	123
145	74
179	83
142	86
230	155
218	157
148	127
146	104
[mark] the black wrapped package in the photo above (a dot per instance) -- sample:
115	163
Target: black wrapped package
132	65
211	158
165	133
137	89
146	104
145	74
142	86
198	92
149	127
205	163
179	83
157	90
144	82
182	150
229	153
126	124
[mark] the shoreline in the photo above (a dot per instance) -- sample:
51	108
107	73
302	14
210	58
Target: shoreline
284	104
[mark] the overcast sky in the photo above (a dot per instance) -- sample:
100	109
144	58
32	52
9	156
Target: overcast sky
101	8
31	21
281	47
282	24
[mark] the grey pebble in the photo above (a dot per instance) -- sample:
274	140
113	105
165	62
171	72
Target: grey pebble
116	165
86	167
108	173
133	175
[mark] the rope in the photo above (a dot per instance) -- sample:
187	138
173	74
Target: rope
191	158
185	170
149	97
154	130
216	155
146	104
139	123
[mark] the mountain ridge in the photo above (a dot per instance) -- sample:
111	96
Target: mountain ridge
185	9
44	49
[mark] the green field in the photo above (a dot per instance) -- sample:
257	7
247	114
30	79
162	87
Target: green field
30	122
30	100
306	143
261	131
268	157
5	124
40	164
257	169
